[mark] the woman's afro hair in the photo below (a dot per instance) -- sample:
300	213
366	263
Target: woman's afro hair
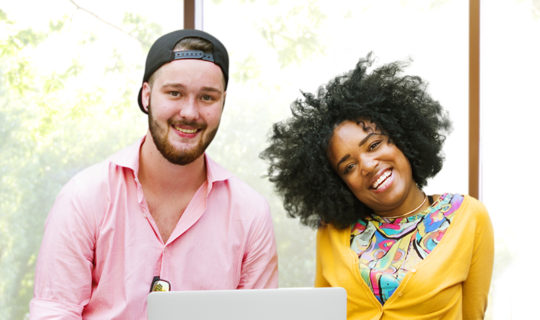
398	105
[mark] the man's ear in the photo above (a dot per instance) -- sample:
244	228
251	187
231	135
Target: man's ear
224	98
145	95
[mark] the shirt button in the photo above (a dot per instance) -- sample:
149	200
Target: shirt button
400	294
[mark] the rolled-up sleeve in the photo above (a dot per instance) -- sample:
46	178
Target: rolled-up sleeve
63	278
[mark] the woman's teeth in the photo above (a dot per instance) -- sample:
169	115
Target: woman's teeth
380	180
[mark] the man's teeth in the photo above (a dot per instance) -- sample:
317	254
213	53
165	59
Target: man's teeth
183	130
383	177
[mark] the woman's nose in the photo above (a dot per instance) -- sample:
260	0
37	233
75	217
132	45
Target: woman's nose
367	164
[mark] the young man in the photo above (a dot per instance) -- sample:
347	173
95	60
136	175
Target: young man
159	215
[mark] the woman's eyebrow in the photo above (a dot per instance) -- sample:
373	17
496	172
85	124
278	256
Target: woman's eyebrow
363	141
366	138
343	159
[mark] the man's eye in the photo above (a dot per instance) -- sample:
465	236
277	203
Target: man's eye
207	97
174	93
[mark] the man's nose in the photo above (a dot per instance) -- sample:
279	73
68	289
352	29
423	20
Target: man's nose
189	109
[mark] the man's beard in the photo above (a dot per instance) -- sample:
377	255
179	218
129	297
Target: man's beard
180	157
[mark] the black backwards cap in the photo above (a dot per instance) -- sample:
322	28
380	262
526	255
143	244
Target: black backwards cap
162	52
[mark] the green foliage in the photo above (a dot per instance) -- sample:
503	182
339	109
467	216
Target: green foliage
535	8
51	126
249	70
141	29
294	34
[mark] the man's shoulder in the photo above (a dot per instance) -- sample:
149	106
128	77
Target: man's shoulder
237	187
243	199
98	176
94	177
240	188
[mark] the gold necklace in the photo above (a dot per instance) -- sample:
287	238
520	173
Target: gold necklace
407	213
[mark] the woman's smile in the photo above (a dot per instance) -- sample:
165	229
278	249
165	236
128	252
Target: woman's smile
383	182
374	169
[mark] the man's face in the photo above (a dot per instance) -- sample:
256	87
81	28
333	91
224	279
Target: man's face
184	103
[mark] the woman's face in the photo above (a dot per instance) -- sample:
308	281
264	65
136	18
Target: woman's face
374	169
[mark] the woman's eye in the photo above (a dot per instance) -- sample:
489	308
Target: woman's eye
174	93
348	168
374	145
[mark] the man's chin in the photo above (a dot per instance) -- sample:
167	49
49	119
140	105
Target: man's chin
177	151
182	158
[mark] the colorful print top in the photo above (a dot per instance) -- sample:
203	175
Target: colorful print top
389	248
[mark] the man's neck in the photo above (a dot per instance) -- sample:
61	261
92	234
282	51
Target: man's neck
161	176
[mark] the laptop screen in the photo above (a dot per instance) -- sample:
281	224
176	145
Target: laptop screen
259	304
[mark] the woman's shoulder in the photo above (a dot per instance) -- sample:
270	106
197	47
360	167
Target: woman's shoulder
464	201
471	210
474	206
329	232
463	205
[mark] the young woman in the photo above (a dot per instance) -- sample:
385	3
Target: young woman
352	161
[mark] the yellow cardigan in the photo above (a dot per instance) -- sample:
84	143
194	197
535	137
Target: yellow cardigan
451	283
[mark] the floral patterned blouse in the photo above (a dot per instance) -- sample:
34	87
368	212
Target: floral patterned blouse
388	248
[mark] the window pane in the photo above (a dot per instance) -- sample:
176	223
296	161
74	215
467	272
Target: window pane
280	47
70	72
510	30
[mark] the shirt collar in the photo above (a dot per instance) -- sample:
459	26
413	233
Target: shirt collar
215	172
129	158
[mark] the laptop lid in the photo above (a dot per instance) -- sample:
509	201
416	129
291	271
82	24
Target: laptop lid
259	304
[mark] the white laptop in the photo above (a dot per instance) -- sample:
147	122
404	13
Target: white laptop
252	304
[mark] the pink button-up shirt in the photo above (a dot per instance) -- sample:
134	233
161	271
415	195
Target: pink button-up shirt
101	247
